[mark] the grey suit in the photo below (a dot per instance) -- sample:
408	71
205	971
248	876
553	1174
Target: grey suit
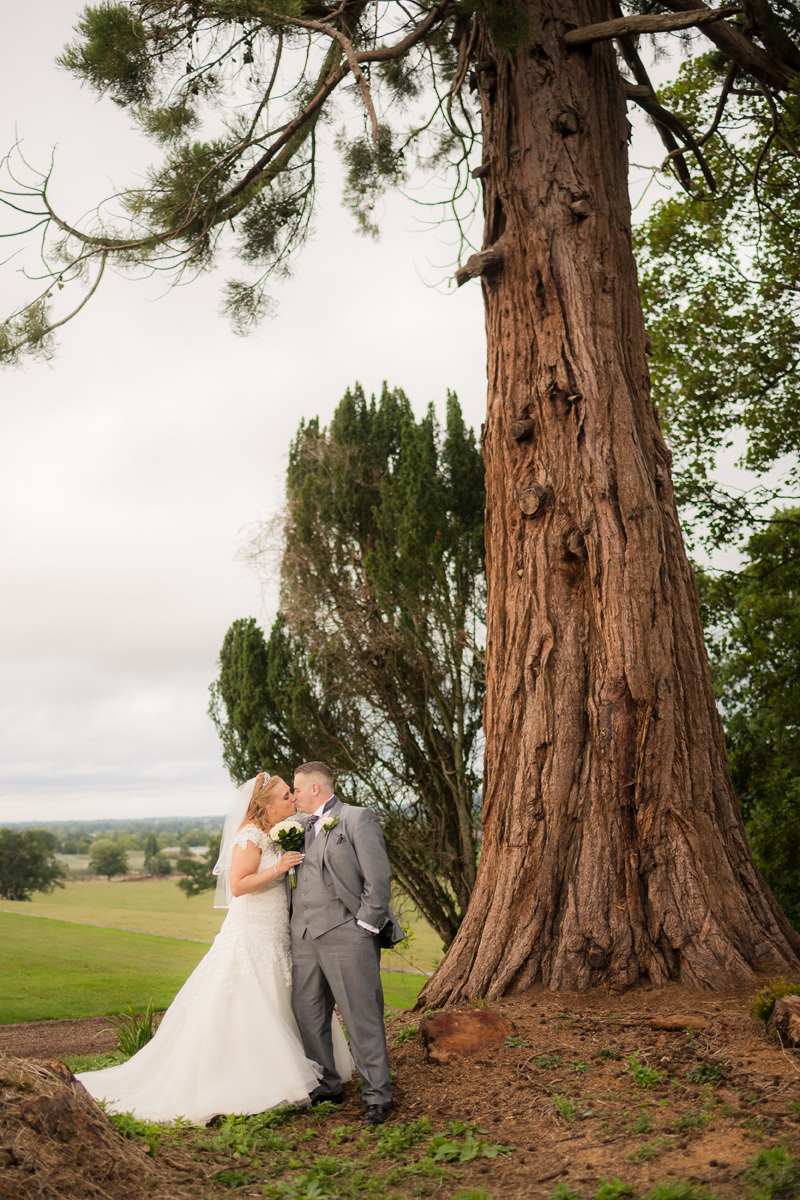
344	878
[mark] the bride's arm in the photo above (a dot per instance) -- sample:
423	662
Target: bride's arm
245	876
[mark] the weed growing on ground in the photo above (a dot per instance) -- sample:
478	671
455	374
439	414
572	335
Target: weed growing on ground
648	1151
444	1149
134	1031
606	1052
235	1178
406	1035
564	1107
548	1062
642	1075
516	1041
774	1175
562	1191
93	1062
691	1120
613	1189
642	1124
129	1126
676	1189
395	1138
706	1073
345	1133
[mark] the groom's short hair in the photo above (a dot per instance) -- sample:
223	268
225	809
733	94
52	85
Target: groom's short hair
317	768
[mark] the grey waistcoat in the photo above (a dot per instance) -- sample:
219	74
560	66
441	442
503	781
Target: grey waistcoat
315	907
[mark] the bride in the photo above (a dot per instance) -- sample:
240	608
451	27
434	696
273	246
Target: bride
229	1042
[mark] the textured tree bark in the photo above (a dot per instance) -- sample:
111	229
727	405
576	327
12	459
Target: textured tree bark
613	849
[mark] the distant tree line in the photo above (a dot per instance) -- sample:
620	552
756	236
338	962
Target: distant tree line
150	835
29	860
28	864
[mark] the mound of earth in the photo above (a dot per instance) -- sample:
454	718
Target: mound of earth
55	1141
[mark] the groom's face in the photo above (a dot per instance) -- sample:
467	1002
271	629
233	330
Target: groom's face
307	793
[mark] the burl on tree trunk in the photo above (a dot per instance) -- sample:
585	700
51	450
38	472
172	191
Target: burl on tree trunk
613	849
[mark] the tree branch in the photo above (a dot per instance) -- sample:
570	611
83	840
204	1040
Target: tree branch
352	62
386	53
655	23
630	55
727	88
762	21
739	49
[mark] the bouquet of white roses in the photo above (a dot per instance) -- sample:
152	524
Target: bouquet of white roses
289	835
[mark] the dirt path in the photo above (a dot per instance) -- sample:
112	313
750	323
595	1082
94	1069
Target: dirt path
57	1039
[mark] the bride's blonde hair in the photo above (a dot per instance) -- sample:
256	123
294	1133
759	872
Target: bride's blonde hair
263	788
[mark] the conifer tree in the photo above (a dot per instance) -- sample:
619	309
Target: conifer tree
375	663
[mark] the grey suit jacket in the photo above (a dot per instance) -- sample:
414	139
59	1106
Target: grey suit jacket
356	871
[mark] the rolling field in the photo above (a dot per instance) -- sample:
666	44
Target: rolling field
56	969
152	906
90	950
159	906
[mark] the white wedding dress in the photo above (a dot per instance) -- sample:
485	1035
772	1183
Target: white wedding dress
229	1042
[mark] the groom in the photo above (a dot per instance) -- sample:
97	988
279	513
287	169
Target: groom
340	918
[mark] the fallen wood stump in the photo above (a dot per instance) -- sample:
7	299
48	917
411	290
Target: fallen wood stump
679	1023
785	1020
450	1035
56	1141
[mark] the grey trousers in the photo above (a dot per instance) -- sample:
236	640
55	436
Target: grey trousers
342	966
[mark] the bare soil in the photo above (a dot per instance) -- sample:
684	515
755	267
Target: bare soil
57	1039
563	1095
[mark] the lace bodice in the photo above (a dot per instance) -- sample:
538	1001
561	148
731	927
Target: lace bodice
270	851
256	927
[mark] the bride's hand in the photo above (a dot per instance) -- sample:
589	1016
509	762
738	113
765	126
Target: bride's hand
290	859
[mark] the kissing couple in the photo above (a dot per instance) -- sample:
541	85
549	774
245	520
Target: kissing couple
254	1026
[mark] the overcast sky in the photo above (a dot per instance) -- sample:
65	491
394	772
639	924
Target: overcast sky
133	465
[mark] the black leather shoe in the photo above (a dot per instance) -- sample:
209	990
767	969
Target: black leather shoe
375	1114
331	1098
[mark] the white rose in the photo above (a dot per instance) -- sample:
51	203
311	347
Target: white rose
275	831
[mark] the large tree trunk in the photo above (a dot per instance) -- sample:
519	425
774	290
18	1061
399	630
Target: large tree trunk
613	848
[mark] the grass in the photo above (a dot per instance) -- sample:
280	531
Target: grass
58	969
63	970
152	906
159	906
401	991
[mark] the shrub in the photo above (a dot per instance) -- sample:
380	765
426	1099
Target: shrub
763	1002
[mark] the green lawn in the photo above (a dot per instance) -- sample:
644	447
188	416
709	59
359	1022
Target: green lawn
53	968
56	969
152	906
159	906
